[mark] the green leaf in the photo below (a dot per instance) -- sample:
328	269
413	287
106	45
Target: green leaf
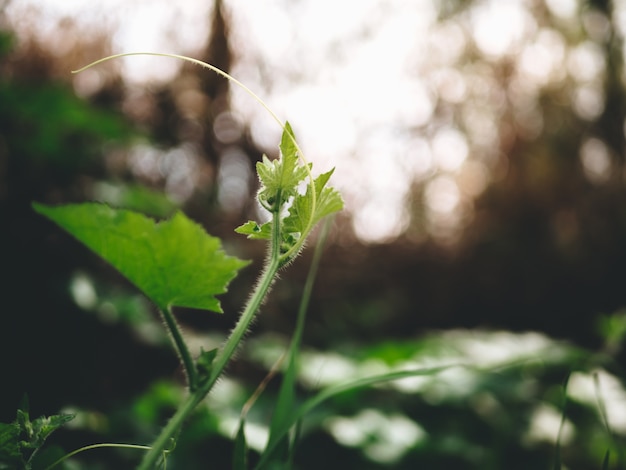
280	188
280	178
204	363
135	197
255	231
328	200
34	433
10	453
21	440
174	262
288	142
43	426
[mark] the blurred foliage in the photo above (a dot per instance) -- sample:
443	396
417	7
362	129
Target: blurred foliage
51	149
501	408
23	439
73	124
543	249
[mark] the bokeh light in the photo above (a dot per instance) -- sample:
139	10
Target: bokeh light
402	97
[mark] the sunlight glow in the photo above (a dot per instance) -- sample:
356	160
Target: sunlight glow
545	422
384	438
473	178
388	92
586	62
177	166
83	291
442	195
499	27
450	149
234	179
225	404
326	368
610	391
588	101
596	160
563	8
542	60
347	118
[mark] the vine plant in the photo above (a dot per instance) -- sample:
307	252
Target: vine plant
175	263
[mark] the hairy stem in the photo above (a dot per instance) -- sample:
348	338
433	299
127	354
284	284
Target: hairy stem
196	396
181	348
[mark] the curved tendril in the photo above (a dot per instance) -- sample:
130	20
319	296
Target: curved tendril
229	77
96	446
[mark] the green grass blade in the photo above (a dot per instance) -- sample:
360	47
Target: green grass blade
240	458
605	422
557	452
607	459
294	442
285	404
330	392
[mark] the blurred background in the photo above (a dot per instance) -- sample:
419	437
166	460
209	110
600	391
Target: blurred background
480	150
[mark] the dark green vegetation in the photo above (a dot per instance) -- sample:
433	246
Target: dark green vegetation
546	254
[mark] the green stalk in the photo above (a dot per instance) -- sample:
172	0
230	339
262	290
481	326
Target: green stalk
196	396
285	403
181	348
265	282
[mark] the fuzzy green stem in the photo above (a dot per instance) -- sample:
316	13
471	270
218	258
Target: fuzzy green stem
196	396
181	348
198	388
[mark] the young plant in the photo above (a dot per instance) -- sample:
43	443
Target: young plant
176	263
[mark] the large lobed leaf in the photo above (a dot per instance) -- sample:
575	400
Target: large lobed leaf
174	262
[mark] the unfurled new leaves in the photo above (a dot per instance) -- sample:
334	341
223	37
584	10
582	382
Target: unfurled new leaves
174	262
255	231
35	432
280	178
302	212
280	183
